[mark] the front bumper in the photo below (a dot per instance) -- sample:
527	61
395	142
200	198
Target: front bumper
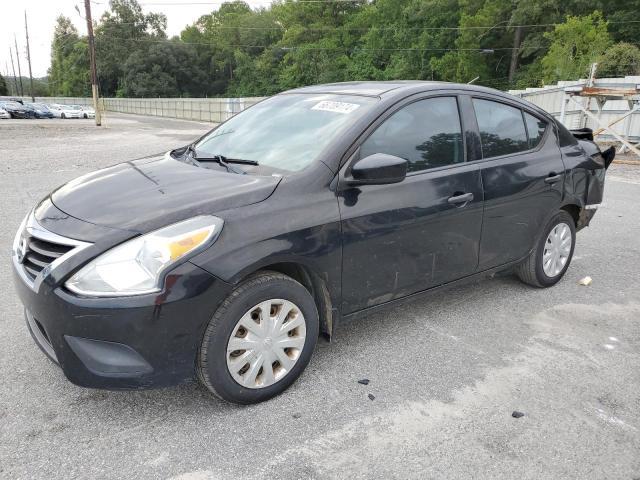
118	343
127	342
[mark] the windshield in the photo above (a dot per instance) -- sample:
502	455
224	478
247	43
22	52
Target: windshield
74	107
286	132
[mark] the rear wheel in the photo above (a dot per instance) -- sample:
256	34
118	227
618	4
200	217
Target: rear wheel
259	340
549	261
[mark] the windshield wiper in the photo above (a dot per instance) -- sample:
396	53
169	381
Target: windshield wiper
221	159
216	158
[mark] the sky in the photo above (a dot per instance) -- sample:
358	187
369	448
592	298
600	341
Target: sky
42	14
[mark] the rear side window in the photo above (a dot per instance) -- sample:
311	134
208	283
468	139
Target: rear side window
501	127
535	129
426	133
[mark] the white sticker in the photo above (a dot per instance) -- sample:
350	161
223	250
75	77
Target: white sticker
337	107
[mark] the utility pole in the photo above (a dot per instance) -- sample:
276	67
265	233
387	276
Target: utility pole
92	61
26	31
584	119
15	79
18	60
517	40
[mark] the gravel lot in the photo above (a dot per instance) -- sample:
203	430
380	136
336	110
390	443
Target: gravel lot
446	372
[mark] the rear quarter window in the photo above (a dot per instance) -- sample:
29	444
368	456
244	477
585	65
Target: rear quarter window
565	137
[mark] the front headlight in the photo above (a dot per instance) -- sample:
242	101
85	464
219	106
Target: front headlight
136	266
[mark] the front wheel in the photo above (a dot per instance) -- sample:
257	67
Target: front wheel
63	116
259	340
549	261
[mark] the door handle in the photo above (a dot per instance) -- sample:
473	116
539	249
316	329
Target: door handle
553	178
461	198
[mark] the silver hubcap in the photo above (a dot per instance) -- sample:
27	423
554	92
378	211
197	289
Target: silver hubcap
556	250
266	343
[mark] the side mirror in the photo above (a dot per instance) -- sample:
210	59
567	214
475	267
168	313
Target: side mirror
378	169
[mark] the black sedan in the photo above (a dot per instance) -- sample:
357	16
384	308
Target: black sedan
40	110
225	259
17	110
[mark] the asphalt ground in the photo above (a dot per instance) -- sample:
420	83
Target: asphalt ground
446	371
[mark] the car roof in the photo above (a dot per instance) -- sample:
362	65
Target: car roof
380	88
373	88
403	88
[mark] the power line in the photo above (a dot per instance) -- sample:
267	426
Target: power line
378	28
484	50
218	4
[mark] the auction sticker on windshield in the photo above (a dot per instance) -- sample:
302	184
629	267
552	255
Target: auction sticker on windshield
337	107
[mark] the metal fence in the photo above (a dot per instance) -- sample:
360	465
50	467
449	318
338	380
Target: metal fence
200	109
552	97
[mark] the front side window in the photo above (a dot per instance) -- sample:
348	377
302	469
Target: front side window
502	130
286	132
426	133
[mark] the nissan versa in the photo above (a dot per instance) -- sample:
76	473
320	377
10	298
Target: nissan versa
225	259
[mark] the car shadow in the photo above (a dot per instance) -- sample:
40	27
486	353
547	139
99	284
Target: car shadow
374	335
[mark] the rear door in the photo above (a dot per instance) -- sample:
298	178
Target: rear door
405	237
522	176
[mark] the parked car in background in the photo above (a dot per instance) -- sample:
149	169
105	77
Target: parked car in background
224	259
4	113
42	111
39	110
11	99
87	111
17	110
65	111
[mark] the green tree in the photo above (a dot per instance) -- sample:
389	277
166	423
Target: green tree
69	71
3	86
236	50
232	37
400	38
316	41
620	60
575	44
622	18
165	69
480	51
123	30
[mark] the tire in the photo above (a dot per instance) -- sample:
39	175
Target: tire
532	270
62	115
85	116
215	361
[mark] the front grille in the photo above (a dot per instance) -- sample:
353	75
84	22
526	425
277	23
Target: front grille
37	252
40	253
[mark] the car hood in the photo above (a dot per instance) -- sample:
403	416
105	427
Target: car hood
149	193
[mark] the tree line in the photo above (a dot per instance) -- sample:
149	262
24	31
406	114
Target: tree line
239	51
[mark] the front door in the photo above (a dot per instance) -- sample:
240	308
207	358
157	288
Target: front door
406	237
